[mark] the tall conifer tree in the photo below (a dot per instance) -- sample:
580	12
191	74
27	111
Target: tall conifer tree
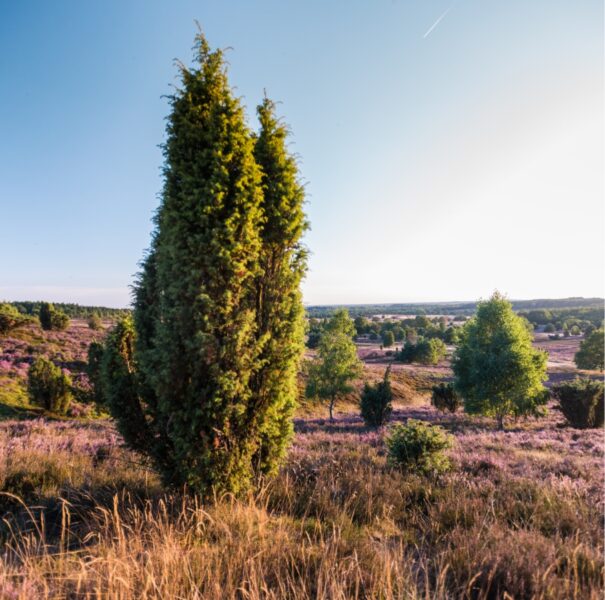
279	308
207	387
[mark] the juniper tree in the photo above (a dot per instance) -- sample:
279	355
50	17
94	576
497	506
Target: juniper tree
207	385
279	308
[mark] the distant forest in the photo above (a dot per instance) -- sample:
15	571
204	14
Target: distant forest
454	308
73	311
591	309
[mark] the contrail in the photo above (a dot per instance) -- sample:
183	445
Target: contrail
436	22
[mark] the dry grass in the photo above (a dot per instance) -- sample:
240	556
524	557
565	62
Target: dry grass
521	514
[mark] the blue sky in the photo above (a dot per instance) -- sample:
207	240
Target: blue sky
439	166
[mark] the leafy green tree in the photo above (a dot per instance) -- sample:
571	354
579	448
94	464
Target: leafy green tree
331	375
376	401
591	352
497	370
48	386
341	322
388	339
362	325
202	381
10	318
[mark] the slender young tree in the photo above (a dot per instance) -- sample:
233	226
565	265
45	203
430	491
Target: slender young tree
332	374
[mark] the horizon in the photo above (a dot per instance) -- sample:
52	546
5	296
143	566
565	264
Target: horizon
444	146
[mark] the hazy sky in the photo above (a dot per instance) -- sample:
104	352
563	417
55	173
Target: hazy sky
449	147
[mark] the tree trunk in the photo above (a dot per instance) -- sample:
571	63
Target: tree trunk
332	409
501	422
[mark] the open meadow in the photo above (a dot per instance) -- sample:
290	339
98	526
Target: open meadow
520	514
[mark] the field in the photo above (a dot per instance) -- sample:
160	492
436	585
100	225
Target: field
519	516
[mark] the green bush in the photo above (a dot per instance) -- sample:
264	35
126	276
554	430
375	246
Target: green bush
388	339
582	402
376	401
94	322
445	397
425	351
10	318
51	318
418	447
48	386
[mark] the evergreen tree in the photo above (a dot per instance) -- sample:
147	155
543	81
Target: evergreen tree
497	371
279	308
376	401
203	380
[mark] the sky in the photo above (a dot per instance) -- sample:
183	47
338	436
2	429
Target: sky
448	147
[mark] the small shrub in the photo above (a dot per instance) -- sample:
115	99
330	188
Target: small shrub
94	322
376	401
48	386
582	402
10	318
445	398
51	318
418	447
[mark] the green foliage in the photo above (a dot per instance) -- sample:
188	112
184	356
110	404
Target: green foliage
388	339
51	318
279	312
362	325
48	386
425	351
341	322
418	447
93	370
497	370
582	402
445	398
204	380
331	375
45	316
10	318
376	401
549	328
94	322
591	352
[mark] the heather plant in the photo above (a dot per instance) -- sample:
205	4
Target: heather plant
10	318
582	402
592	351
418	447
203	380
497	371
376	401
48	386
445	398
